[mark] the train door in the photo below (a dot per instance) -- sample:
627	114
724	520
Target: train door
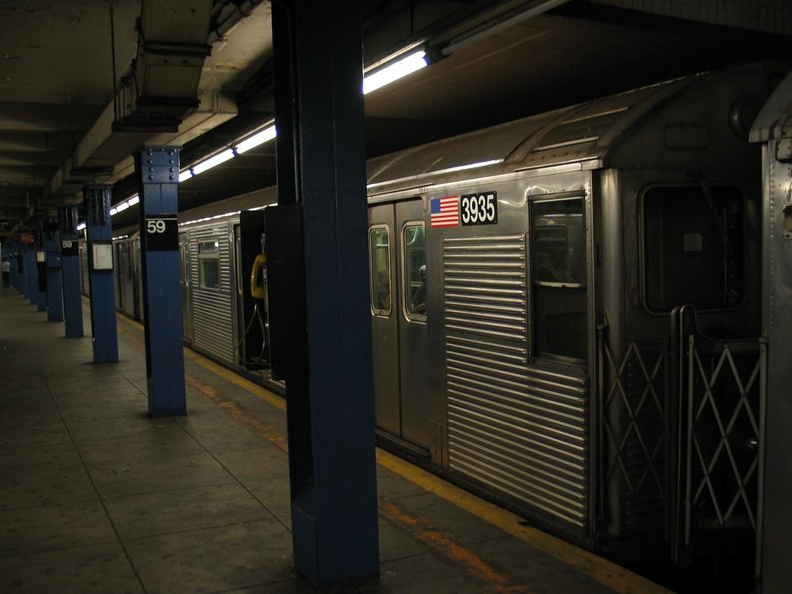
397	250
184	259
118	277
241	355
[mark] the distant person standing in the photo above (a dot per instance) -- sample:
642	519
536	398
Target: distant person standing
6	268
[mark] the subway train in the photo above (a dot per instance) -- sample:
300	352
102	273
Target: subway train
565	312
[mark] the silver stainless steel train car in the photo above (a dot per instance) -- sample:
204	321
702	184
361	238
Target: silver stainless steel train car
213	284
565	312
589	351
772	132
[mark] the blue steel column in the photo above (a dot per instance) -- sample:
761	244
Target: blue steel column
29	276
52	261
100	275
70	271
157	171
41	270
324	323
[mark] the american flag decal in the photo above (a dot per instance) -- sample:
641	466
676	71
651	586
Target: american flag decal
444	211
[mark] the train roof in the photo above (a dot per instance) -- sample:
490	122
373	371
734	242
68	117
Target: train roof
586	136
774	121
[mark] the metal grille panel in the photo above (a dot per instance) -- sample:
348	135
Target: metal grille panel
212	308
519	430
634	418
725	407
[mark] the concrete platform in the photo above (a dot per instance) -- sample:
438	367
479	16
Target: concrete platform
96	496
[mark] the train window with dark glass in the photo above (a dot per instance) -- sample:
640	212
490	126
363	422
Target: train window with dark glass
415	273
380	270
692	246
558	259
209	264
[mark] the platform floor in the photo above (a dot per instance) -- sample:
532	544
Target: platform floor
96	496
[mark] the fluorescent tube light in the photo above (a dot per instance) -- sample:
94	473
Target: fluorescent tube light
395	71
186	174
257	139
213	161
134	200
122	207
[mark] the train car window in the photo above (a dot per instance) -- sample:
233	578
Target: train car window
693	245
415	273
380	270
209	264
558	245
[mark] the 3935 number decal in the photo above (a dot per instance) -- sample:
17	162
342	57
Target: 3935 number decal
479	209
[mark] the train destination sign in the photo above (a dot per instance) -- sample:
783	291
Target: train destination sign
162	233
466	209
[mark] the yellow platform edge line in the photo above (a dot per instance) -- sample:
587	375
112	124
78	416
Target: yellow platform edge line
603	571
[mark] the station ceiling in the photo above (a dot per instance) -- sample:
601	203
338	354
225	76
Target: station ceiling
67	81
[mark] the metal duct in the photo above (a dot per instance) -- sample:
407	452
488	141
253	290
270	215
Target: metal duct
157	97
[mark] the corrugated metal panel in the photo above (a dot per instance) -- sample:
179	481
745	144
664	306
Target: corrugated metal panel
484	284
212	308
519	430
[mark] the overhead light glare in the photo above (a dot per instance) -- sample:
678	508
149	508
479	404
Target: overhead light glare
213	161
407	65
122	207
134	200
265	135
81	226
113	211
186	174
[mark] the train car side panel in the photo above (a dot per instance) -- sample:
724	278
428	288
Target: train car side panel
212	295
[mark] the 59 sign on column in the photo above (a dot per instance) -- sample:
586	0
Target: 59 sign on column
162	233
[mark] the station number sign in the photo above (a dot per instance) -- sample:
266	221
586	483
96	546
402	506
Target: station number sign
162	233
69	247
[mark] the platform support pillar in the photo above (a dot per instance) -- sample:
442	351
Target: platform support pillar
157	172
317	257
41	271
52	261
70	271
100	273
27	268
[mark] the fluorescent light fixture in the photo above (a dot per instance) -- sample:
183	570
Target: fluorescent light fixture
439	172
81	226
213	161
265	135
186	174
220	216
122	206
407	65
469	166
